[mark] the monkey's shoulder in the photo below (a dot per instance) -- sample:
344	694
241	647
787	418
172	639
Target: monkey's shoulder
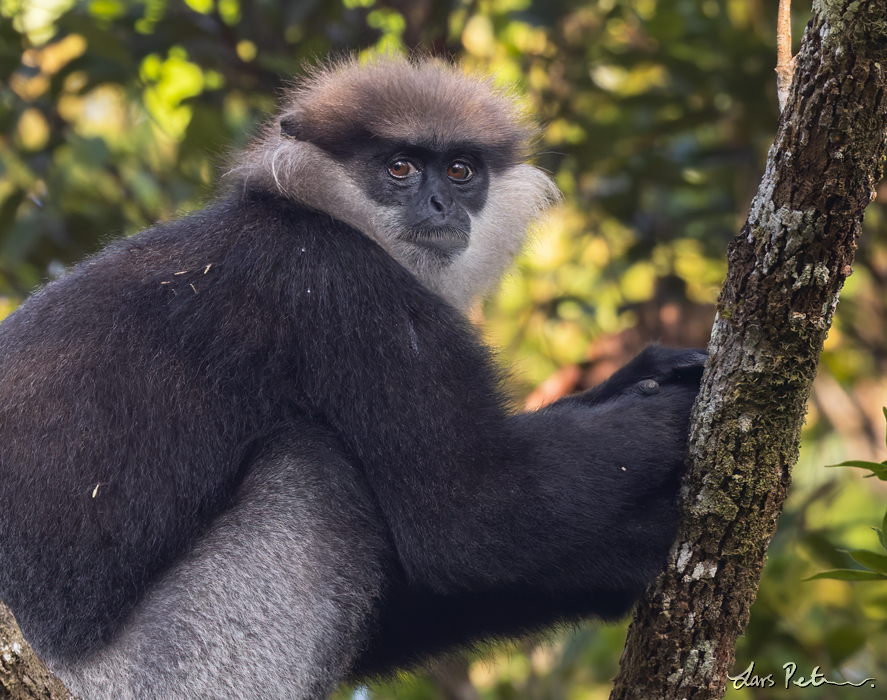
245	266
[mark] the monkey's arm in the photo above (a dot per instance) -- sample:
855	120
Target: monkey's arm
572	498
557	535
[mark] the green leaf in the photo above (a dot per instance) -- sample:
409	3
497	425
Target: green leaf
874	466
878	469
870	560
849	575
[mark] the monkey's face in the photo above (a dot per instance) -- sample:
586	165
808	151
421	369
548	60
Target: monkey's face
430	196
424	160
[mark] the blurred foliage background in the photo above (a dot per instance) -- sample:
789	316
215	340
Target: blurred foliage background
657	117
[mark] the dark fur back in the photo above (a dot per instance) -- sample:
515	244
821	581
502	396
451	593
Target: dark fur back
146	374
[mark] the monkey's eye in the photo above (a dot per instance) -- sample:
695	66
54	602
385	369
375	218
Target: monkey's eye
401	169
459	171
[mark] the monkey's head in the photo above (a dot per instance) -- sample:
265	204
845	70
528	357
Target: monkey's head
426	161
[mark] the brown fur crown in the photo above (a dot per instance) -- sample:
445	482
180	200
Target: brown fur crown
423	102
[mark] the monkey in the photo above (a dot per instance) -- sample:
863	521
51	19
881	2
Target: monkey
258	450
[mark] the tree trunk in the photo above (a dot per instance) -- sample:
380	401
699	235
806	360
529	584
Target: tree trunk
22	675
786	268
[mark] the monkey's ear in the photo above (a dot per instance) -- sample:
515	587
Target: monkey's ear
291	125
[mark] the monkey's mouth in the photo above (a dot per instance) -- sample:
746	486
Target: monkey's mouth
444	241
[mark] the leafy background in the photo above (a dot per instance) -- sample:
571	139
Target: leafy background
657	117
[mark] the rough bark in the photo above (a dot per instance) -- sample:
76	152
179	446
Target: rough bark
22	675
786	269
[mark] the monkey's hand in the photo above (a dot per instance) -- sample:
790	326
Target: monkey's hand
632	431
650	400
648	373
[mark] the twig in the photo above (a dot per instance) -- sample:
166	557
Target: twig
785	62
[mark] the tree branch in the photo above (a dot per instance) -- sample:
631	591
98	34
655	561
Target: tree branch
786	269
22	675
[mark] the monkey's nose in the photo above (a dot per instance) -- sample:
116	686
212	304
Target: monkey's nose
438	204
